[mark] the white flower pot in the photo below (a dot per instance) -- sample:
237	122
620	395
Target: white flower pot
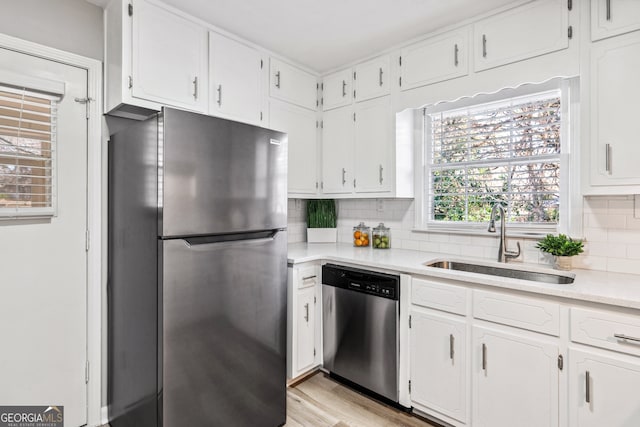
563	262
322	235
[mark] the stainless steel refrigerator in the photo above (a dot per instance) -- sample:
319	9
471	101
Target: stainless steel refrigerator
197	273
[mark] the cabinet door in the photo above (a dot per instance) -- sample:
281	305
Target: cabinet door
293	85
434	60
374	141
169	58
603	389
336	90
517	34
235	80
306	322
372	79
615	89
438	363
613	17
300	124
337	151
515	380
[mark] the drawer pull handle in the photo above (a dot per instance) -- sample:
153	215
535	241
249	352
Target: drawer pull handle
587	387
309	277
306	316
451	346
608	10
344	88
484	357
626	337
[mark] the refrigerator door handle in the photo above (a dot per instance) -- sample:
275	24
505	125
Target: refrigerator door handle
206	243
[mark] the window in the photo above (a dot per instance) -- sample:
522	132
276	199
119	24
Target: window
27	153
509	151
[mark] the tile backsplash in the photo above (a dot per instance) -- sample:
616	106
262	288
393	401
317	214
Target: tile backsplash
611	230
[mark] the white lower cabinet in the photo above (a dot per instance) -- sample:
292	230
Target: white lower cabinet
439	364
515	380
303	319
603	389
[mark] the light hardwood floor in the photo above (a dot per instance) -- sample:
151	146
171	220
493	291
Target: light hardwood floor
320	401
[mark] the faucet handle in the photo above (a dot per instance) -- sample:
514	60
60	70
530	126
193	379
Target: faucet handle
513	254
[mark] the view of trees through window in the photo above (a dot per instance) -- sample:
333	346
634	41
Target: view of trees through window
507	152
26	134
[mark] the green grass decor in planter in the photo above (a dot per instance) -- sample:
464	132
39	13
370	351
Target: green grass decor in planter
321	221
562	248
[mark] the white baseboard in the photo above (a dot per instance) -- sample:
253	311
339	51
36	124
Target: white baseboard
104	415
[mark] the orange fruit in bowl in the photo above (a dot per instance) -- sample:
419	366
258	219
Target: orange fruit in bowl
358	242
357	234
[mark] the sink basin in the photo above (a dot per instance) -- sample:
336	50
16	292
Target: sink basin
535	276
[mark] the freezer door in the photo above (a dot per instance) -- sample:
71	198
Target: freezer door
220	176
223	317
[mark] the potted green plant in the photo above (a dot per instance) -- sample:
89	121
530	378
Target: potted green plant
562	248
321	221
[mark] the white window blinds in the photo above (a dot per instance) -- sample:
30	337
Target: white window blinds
27	153
507	151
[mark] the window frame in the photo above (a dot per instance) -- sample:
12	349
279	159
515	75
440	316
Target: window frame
570	220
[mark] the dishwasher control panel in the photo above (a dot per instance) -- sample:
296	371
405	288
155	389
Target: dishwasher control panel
368	282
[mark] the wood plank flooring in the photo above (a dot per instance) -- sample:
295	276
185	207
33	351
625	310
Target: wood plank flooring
319	401
322	402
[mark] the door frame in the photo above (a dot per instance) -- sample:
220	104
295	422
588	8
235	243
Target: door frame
95	183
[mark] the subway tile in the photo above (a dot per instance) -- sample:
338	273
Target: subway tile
450	248
430	247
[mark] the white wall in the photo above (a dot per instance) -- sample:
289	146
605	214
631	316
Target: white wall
70	25
611	230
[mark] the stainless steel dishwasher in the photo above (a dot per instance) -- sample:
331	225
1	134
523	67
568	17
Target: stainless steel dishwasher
360	327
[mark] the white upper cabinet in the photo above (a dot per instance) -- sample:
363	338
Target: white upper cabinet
169	58
337	151
336	90
434	60
530	30
372	79
614	91
374	143
235	80
292	84
612	17
300	124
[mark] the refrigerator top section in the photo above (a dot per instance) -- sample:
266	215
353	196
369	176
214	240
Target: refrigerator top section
218	176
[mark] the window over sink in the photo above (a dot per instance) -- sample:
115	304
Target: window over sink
512	147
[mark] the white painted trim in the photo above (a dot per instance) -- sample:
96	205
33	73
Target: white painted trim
94	208
104	415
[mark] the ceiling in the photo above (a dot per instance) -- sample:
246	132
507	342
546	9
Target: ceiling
324	35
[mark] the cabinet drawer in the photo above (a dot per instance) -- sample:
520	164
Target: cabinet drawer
599	328
440	296
308	276
522	312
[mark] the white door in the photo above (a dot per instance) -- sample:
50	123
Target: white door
235	74
373	146
293	85
337	151
336	90
43	280
603	390
612	17
169	58
306	328
515	380
372	79
300	124
439	363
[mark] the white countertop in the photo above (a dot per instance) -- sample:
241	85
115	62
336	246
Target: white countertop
595	286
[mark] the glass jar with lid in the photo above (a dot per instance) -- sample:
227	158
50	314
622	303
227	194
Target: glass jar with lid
361	235
381	238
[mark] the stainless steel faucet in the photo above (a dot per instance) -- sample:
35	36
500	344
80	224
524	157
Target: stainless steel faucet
503	253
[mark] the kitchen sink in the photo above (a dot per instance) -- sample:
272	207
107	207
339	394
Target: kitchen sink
536	276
